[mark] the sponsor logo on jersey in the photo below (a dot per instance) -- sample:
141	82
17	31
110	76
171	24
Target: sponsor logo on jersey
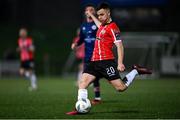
89	40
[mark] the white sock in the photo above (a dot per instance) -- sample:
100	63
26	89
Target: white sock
27	74
33	81
130	77
82	94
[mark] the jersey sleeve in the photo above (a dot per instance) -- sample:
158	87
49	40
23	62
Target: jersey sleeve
81	37
115	33
76	39
30	42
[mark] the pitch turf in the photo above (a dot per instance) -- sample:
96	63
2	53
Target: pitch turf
158	98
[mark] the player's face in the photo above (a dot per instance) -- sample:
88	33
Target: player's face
90	9
23	33
103	15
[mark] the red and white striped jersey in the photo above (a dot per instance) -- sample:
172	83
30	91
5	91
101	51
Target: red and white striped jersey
24	45
106	36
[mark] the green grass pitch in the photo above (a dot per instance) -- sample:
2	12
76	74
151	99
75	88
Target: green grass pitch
158	98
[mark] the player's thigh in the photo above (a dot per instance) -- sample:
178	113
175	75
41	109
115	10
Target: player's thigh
86	80
118	84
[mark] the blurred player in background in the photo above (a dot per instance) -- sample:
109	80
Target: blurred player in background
103	61
26	49
79	53
87	37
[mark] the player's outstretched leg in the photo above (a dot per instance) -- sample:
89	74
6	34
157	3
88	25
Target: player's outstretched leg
123	84
136	70
142	70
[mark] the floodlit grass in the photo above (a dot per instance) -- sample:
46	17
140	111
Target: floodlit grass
158	98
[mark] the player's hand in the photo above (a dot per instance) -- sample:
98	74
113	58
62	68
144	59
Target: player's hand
73	46
88	13
121	67
31	48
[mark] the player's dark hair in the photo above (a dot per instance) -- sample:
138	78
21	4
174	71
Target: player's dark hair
89	5
23	27
103	5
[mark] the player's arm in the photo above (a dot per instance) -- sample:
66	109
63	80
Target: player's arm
81	38
78	42
73	46
120	52
96	21
18	49
31	47
115	33
74	43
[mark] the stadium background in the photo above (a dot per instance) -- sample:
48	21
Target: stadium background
150	29
52	24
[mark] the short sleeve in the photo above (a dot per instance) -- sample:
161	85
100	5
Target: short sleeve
115	33
30	41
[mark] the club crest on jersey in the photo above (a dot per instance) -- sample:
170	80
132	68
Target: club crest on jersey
94	27
84	28
103	31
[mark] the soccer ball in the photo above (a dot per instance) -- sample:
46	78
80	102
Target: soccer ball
83	106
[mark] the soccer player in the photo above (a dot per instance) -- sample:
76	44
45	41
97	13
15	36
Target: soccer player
79	53
87	36
26	49
102	62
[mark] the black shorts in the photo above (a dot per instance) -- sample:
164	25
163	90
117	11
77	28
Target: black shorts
86	64
28	64
104	68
